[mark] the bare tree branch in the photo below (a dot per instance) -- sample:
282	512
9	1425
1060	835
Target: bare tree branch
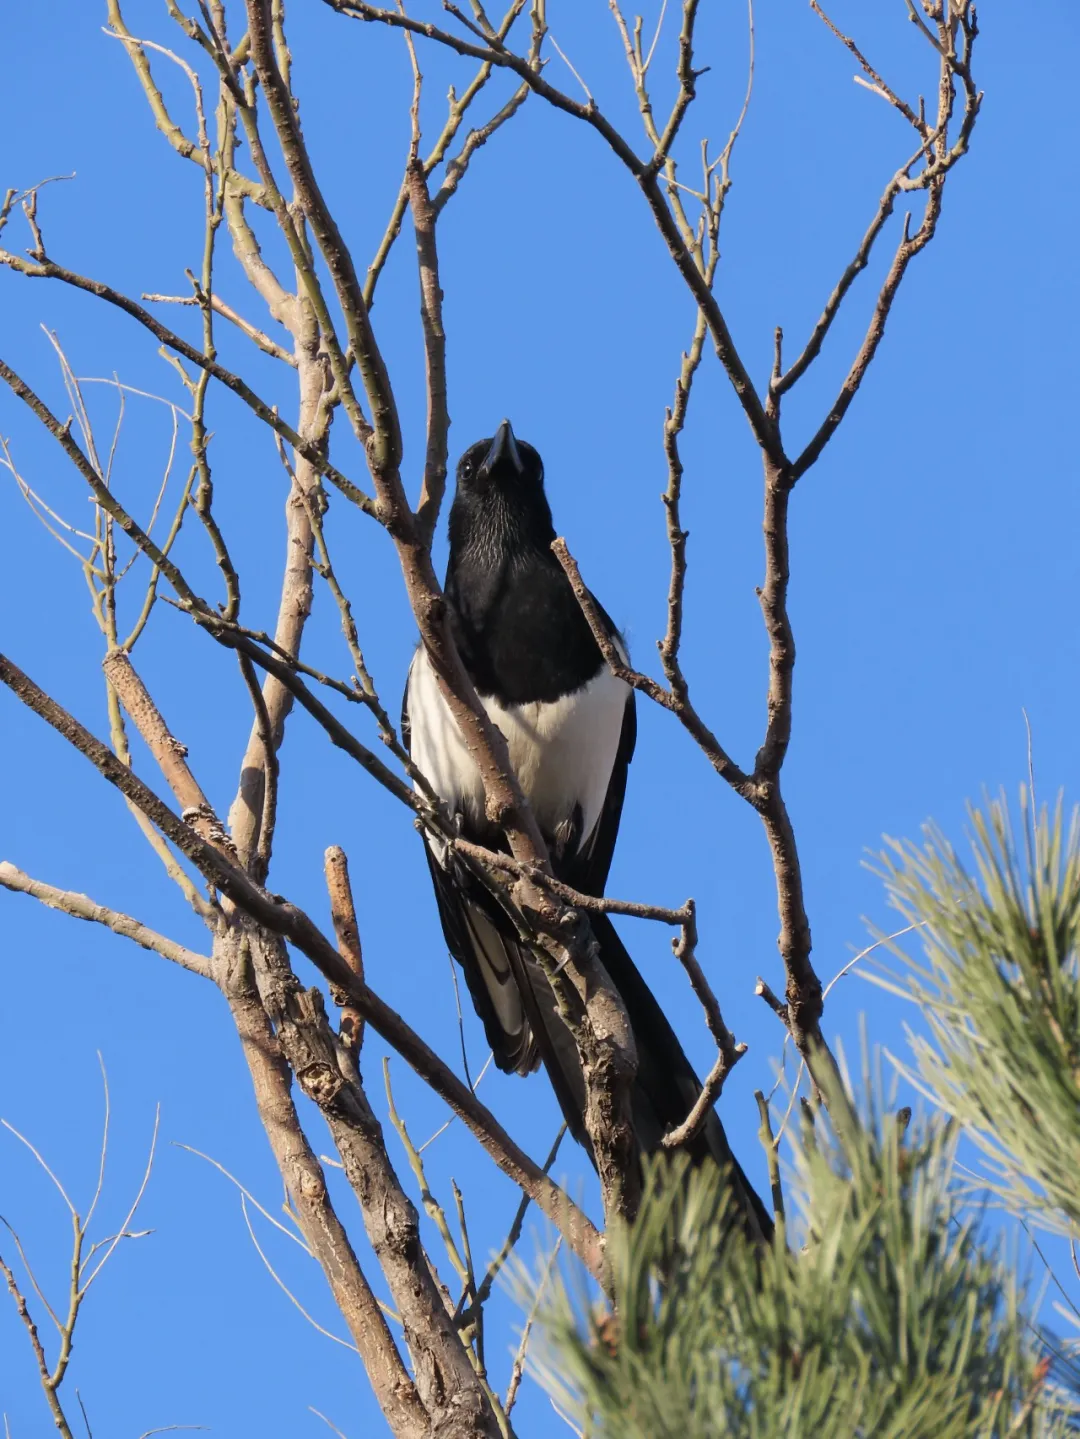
721	761
438	418
80	906
87	1260
728	1051
241	184
259	337
644	172
249	819
170	754
319	1223
292	924
48	270
343	915
445	1380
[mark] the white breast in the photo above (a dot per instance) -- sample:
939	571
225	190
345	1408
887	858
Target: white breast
562	753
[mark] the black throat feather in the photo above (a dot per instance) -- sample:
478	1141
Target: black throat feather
520	630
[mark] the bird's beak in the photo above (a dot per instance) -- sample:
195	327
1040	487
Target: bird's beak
504	448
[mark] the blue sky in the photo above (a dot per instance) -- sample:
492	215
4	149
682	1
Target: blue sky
932	597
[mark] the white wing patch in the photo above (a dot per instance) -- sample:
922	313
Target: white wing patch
490	953
562	753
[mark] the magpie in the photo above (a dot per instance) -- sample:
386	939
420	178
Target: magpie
570	728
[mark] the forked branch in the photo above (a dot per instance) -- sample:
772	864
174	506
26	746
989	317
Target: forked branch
292	924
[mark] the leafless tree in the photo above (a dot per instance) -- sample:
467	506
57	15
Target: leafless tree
427	1371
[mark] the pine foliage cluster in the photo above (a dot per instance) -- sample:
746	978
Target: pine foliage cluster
999	986
895	1301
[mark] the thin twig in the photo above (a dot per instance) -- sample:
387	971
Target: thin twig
519	1359
511	1239
257	336
772	1156
320	1415
276	1277
245	1194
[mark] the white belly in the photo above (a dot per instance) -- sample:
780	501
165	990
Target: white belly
562	753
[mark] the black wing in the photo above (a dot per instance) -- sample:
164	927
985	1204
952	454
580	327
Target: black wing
481	938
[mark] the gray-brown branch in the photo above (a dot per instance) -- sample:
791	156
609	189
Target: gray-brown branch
285	919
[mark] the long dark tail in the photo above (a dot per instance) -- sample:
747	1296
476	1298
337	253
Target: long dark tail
665	1087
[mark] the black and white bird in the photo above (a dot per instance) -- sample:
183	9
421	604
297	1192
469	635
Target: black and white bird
570	727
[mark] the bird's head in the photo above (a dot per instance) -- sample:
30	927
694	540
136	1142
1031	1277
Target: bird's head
500	494
503	463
